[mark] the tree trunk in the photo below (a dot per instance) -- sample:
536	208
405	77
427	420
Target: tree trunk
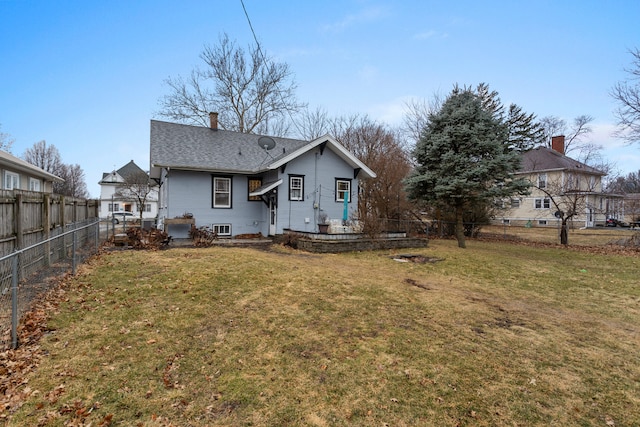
564	234
460	228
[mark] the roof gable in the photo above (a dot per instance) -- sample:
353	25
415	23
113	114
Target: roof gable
204	149
543	159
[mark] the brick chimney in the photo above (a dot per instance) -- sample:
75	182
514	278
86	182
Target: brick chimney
213	119
557	143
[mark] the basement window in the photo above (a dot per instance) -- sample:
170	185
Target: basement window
222	229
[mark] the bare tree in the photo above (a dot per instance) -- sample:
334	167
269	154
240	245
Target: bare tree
571	195
74	184
46	157
245	88
416	116
627	94
6	142
382	201
137	187
625	184
574	134
312	124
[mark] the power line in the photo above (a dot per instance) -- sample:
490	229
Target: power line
264	58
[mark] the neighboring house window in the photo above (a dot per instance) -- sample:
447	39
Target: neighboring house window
34	184
296	188
146	208
343	186
515	203
114	207
544	203
542	222
11	180
254	184
221	192
222	229
506	221
542	180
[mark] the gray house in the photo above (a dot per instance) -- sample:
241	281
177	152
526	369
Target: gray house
239	183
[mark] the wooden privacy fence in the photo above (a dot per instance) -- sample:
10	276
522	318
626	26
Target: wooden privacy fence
28	217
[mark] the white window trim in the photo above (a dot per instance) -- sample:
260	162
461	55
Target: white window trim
221	229
34	184
542	203
11	180
299	188
542	180
339	196
215	180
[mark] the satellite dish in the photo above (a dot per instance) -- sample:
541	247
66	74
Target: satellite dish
266	142
559	214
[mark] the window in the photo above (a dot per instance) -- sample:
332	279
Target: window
542	180
343	186
515	203
544	203
296	187
542	222
221	192
146	207
506	221
34	184
11	180
254	184
222	229
114	207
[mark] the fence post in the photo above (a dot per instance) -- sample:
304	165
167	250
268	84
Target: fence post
14	302
97	235
46	225
74	245
18	220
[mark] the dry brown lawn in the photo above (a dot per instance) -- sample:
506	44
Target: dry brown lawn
498	334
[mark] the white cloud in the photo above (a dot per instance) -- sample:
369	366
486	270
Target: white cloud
430	34
371	14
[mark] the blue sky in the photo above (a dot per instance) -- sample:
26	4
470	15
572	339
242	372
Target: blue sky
86	75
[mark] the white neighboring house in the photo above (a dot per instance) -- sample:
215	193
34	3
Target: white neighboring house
112	200
16	174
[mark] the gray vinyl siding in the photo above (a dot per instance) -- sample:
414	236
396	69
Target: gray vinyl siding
191	192
320	172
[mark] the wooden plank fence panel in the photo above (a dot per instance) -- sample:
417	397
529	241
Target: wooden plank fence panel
38	221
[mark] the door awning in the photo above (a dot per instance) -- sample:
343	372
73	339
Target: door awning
265	188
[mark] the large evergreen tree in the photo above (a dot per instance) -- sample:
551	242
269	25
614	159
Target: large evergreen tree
464	158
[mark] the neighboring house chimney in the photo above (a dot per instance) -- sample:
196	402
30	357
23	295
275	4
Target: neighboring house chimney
557	143
213	118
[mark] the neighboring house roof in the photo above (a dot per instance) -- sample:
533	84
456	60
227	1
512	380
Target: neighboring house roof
26	167
204	149
118	176
130	169
543	159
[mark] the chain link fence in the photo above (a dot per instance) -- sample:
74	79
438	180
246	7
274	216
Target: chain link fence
28	272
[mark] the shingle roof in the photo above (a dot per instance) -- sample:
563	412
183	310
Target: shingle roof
130	169
542	159
9	159
201	148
